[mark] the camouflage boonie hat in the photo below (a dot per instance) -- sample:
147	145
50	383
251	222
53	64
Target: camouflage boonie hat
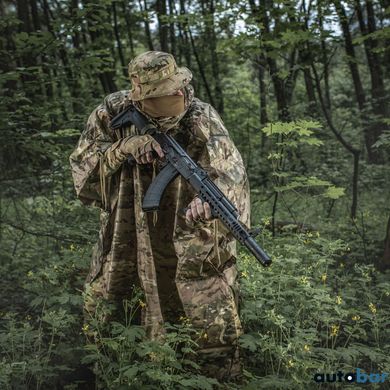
154	74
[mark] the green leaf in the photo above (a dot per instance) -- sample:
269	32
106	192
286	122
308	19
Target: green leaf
131	372
334	192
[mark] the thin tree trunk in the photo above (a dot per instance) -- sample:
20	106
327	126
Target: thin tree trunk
324	55
146	24
74	6
277	81
351	149
187	45
72	81
172	36
385	263
262	91
27	59
310	91
201	69
128	28
359	91
101	37
215	68
118	40
378	94
305	60
163	28
34	15
7	63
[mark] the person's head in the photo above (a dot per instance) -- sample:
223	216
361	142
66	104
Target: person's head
158	83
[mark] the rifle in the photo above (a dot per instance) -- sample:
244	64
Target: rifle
178	162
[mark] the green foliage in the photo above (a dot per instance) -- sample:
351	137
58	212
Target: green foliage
313	311
124	358
383	141
321	306
289	137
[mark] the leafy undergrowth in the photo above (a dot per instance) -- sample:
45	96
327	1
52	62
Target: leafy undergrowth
316	309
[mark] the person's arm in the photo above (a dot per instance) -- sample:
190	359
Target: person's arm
85	160
98	156
223	162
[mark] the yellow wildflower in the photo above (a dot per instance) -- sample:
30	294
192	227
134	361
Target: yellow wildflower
267	222
306	348
205	336
185	320
334	330
72	247
356	317
85	328
324	277
142	303
290	363
244	274
341	265
339	300
153	356
372	308
304	280
30	274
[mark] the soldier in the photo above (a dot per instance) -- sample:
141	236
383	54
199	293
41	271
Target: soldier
183	262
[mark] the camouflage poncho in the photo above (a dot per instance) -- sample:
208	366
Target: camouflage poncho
181	268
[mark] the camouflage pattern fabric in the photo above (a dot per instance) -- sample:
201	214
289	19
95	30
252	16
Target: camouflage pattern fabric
155	74
183	269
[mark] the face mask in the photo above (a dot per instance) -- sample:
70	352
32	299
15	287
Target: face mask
164	106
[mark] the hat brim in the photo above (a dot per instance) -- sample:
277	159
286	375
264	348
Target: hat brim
168	86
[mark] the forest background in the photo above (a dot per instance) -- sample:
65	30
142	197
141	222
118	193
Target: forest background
303	88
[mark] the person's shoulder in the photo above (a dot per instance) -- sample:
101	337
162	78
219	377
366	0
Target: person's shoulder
115	102
199	109
204	120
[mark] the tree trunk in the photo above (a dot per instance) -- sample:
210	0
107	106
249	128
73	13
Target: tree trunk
186	44
129	27
369	137
312	108
378	94
201	69
146	23
101	38
27	58
163	28
172	35
350	148
324	55
385	264
71	80
118	40
261	63
74	6
215	69
277	81
7	63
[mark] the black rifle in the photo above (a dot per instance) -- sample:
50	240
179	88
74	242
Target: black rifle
178	162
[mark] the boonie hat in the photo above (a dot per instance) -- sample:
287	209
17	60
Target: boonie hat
155	74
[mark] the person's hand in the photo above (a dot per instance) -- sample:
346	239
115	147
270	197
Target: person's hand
141	147
198	211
